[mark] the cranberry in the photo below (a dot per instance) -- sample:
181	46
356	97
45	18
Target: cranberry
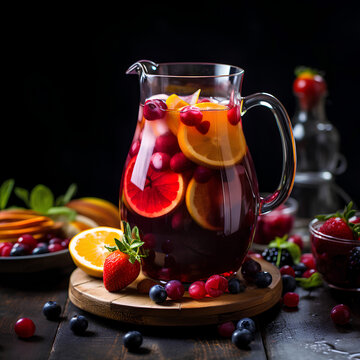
291	299
28	240
287	270
308	260
197	290
24	328
154	109
180	163
134	148
6	250
203	127
160	161
191	115
340	314
203	174
167	143
226	329
56	240
55	247
2	245
308	273
296	239
174	289
149	241
233	115
65	243
216	285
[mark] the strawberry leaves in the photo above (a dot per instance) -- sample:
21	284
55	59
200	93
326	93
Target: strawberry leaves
130	243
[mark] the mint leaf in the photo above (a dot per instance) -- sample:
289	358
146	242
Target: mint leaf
41	199
315	280
23	194
5	192
69	214
292	248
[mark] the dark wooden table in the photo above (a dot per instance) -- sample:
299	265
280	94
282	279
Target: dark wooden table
305	333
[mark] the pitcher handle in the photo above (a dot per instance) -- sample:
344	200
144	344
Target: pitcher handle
284	189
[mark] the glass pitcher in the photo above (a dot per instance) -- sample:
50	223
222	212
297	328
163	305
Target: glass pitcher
189	182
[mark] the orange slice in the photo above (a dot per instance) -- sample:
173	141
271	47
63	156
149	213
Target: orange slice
205	209
163	192
223	145
88	251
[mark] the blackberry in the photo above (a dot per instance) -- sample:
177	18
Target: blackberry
271	255
354	266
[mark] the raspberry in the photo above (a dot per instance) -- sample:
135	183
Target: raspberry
216	285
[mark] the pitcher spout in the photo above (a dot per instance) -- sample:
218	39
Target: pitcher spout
142	67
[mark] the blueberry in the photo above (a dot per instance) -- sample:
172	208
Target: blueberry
78	324
18	250
289	283
263	279
158	294
40	250
300	268
246	323
132	340
235	286
242	338
52	310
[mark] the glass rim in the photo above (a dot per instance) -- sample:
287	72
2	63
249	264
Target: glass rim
239	70
317	233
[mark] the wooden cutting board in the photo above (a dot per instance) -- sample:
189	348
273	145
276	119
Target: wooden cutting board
130	306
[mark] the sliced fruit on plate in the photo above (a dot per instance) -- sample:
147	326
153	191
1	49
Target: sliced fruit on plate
162	193
222	145
204	209
88	251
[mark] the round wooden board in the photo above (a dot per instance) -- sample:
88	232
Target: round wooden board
128	305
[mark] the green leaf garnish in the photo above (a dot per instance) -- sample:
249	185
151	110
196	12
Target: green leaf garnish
64	199
315	280
282	243
5	192
41	199
62	211
23	194
129	244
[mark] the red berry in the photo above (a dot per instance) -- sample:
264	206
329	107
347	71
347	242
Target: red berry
191	115
134	148
296	239
197	290
174	289
5	244
27	240
55	240
65	243
203	127
180	163
167	143
216	285
160	161
287	270
338	228
5	251
154	109
233	115
309	260
308	273
340	314
203	174
291	299
55	247
226	329
203	100
24	328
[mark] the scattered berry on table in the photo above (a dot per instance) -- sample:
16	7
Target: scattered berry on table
246	323
174	289
287	270
308	260
308	273
249	269
52	310
299	269
291	299
263	279
235	286
132	340
216	285
289	283
241	338
296	239
24	328
226	329
340	314
158	294
197	290
78	324
271	255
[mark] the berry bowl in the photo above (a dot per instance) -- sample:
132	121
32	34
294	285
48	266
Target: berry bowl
278	222
337	259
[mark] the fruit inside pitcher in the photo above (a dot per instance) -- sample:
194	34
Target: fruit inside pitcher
190	186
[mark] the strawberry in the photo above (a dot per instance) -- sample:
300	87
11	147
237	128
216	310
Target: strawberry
338	224
309	86
122	266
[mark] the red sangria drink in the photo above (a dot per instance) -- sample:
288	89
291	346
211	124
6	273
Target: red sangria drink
197	205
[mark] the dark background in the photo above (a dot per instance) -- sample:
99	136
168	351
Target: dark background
69	111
